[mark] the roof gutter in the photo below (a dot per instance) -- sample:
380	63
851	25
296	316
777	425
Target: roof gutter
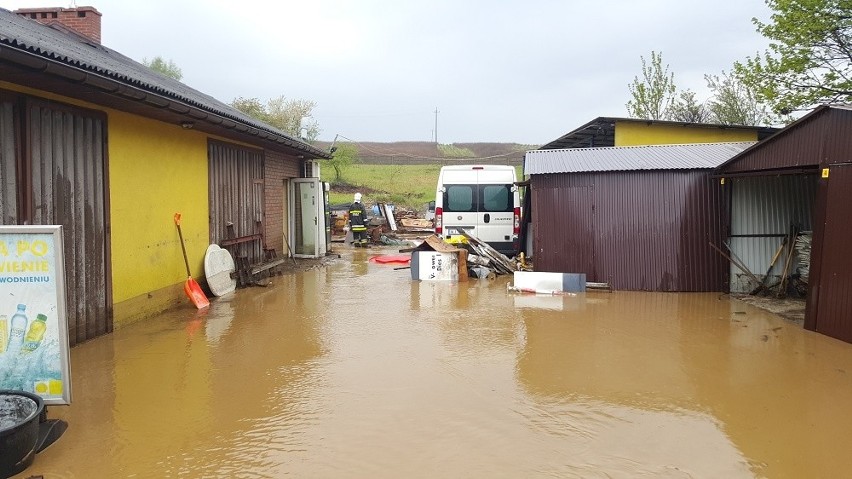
776	172
155	100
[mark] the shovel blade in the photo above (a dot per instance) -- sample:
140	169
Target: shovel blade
195	294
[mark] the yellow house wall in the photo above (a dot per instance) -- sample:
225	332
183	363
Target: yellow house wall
155	170
633	134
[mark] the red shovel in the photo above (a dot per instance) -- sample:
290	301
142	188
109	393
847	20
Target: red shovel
191	288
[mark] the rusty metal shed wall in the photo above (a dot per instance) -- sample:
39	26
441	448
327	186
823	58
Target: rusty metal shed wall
562	212
838	137
822	136
830	288
642	230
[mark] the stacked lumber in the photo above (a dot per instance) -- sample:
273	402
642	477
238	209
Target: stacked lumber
497	260
803	249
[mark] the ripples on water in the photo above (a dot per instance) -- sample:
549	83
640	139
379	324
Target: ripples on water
354	370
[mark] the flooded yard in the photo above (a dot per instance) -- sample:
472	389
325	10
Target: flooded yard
354	370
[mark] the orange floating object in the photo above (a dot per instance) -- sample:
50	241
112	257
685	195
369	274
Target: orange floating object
391	259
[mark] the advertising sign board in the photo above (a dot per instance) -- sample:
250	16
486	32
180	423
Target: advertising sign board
34	347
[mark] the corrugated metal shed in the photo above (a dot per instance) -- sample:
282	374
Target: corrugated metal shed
632	158
639	218
820	145
637	230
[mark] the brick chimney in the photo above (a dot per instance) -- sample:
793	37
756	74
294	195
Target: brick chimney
84	21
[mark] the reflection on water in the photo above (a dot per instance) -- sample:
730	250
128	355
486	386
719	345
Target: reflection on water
354	370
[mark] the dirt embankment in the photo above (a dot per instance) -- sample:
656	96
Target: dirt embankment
791	309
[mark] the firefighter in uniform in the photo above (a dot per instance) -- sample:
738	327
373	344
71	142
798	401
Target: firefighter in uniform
358	222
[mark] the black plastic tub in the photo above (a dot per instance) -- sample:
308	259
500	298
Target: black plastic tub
20	413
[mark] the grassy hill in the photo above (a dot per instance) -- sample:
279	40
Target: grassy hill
425	152
406	173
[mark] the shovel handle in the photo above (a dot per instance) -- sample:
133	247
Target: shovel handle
182	246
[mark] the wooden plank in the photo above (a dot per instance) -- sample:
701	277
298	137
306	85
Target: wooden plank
439	245
599	287
462	257
499	259
240	239
416	223
389	216
265	266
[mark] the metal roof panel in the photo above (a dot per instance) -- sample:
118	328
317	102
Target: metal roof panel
631	158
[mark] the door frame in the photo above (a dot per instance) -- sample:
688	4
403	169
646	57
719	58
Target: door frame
293	214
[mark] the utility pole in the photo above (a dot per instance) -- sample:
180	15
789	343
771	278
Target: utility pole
436	125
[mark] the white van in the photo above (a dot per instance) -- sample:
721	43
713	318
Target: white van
482	199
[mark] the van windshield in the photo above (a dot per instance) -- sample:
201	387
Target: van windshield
482	198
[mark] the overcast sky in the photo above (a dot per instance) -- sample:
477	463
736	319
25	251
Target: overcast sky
496	70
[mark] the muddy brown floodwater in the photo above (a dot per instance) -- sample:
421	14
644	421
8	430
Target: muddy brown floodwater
353	370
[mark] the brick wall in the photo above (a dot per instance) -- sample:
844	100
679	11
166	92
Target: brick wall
277	168
86	21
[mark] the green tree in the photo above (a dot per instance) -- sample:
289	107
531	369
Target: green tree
688	109
735	103
288	115
654	93
251	107
344	155
809	60
164	67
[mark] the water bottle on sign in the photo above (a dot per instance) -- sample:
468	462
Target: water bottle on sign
37	328
18	328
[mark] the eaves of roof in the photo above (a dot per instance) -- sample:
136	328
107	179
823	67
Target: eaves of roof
780	134
43	50
600	132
